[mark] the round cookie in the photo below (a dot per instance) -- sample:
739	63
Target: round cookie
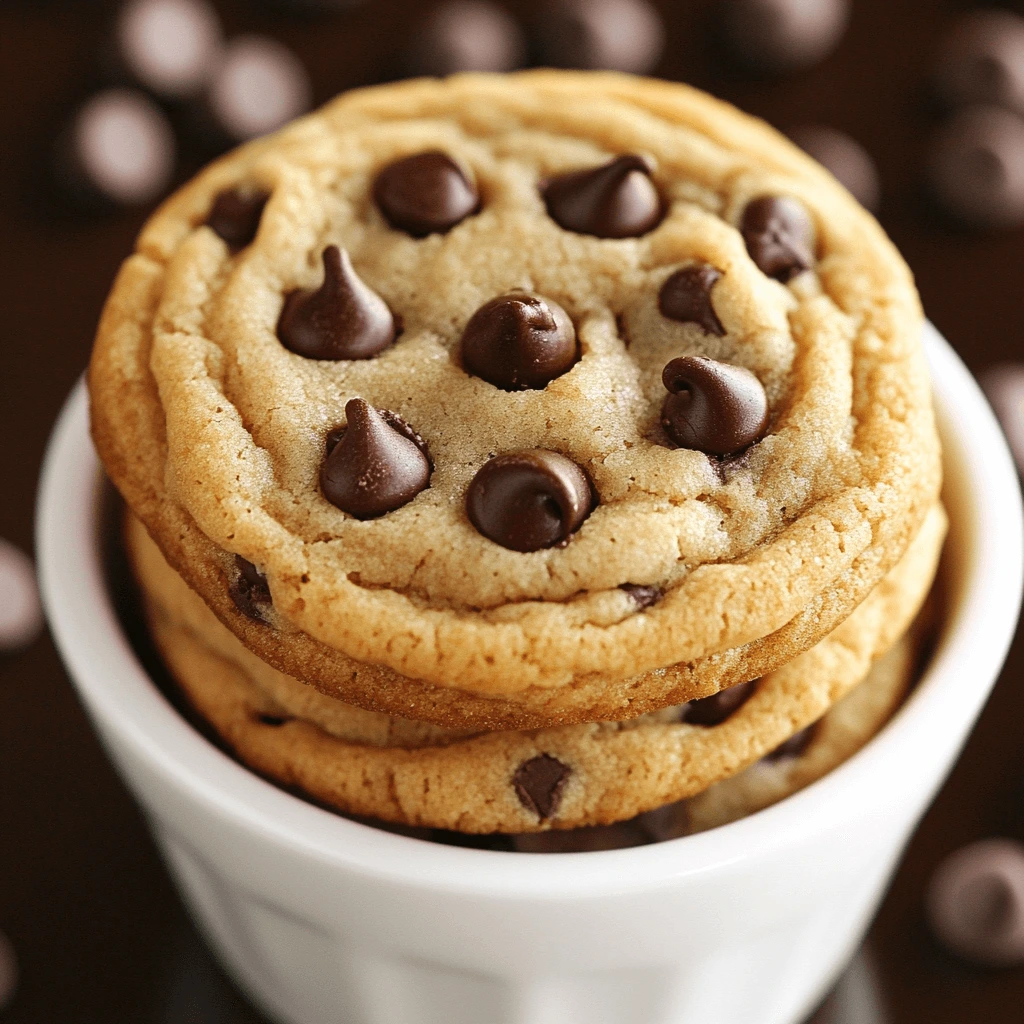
686	568
418	775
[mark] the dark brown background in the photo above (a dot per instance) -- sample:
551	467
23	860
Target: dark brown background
100	934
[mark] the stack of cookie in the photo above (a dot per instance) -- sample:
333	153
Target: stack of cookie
510	455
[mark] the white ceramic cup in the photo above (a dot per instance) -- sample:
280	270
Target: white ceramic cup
324	920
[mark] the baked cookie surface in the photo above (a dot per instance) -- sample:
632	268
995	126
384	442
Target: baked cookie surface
217	398
416	774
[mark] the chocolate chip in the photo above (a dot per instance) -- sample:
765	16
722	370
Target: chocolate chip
393	420
169	46
714	710
975	902
714	407
529	500
467	35
615	200
236	214
976	167
643	596
795	745
845	158
667	822
425	194
342	319
374	468
250	590
519	341
275	721
686	296
779	36
618	35
778	233
981	60
258	86
539	783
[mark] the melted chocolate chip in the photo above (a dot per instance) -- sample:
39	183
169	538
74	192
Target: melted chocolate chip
236	214
425	194
250	590
643	596
616	200
795	745
519	341
373	468
342	319
539	783
714	710
778	233
715	408
686	296
529	500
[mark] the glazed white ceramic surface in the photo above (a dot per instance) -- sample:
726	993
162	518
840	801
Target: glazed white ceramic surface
324	920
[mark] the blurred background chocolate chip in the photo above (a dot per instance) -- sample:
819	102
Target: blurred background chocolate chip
975	167
782	36
1003	385
21	614
843	157
975	902
616	35
529	500
981	60
466	35
118	149
170	47
259	85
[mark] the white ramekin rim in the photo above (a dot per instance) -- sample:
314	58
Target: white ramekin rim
122	699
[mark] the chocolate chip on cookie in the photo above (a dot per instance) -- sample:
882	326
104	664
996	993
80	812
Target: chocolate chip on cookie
779	236
539	783
529	500
714	407
236	214
250	590
373	468
686	296
425	194
519	341
714	710
615	200
342	319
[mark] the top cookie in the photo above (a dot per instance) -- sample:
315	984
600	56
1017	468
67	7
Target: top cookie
505	381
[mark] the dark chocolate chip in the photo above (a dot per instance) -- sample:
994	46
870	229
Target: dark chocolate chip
529	500
686	296
795	745
250	590
714	710
714	407
519	341
975	902
779	236
374	468
976	167
467	35
617	35
539	783
845	158
393	420
424	194
982	60
643	596
342	319
615	200
236	214
274	721
779	36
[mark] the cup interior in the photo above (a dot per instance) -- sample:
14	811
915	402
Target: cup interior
982	574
